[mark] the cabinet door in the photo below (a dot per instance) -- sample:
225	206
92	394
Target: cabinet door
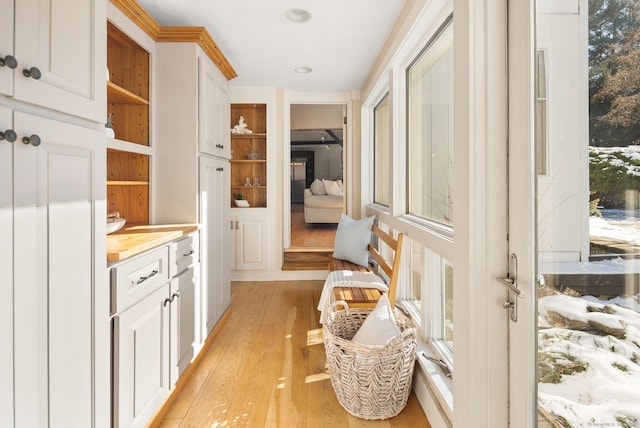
251	242
66	42
141	356
182	322
54	224
6	267
213	132
6	45
214	217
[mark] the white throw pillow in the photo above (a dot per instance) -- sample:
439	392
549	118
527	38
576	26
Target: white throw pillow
380	326
317	187
352	239
332	188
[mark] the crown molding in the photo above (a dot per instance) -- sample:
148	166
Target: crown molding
140	17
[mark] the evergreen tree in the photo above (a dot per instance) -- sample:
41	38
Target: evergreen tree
614	72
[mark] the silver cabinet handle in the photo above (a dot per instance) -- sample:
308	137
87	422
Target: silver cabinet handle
144	278
33	72
9	61
34	140
9	135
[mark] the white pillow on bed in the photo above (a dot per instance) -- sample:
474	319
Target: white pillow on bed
317	187
380	326
352	239
332	188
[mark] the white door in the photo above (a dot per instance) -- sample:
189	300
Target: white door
141	348
57	45
54	220
214	131
251	242
6	47
214	243
6	267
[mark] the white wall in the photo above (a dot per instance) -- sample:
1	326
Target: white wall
563	194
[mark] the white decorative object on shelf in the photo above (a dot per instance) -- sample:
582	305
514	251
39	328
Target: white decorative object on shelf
242	203
114	222
110	132
241	127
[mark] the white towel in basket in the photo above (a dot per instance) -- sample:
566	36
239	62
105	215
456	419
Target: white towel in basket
346	278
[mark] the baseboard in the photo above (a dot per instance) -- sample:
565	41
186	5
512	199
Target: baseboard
157	419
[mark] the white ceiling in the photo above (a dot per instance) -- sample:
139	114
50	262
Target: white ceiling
340	42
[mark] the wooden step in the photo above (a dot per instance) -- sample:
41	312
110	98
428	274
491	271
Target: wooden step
301	258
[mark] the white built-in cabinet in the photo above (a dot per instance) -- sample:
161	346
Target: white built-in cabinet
6	267
214	210
55	294
153	301
214	114
250	242
54	361
56	49
192	174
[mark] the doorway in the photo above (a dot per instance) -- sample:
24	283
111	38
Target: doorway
316	155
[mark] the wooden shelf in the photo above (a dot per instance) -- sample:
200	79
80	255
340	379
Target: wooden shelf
119	95
127	183
249	136
243	147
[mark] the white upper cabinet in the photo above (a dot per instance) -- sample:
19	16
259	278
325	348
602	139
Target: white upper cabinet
214	134
54	44
7	58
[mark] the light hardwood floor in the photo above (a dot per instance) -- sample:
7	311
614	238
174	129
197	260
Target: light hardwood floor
315	235
266	367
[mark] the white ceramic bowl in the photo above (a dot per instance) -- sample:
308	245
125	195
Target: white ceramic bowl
115	224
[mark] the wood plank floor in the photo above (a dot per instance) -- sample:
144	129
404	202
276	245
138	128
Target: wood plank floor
266	367
315	235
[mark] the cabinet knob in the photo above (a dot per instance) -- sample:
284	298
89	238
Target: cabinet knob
9	135
33	72
34	140
220	146
219	169
9	61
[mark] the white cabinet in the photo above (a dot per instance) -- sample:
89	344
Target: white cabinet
6	266
141	352
214	115
56	48
153	301
192	186
214	210
250	233
184	271
55	293
140	301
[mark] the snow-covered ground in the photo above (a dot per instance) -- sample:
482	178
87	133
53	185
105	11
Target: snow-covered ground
589	349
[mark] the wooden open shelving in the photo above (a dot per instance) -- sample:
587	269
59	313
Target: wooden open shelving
128	104
249	154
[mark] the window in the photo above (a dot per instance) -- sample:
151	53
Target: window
541	113
381	152
430	130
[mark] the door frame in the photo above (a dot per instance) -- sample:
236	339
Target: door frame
349	167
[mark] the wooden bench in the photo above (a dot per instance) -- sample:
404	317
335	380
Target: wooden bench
357	297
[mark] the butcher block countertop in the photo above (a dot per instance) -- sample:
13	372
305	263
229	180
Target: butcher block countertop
133	240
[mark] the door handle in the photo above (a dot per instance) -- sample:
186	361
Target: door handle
510	282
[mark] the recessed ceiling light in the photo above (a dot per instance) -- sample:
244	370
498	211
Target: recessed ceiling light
297	15
303	70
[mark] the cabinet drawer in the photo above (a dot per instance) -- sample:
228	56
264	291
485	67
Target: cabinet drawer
134	279
182	254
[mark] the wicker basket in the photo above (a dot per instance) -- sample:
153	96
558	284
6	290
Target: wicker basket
371	382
